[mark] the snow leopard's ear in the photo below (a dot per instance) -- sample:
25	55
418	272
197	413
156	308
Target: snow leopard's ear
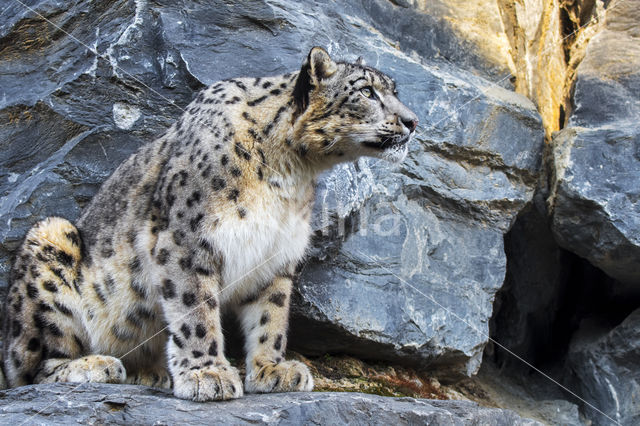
360	61
317	67
321	65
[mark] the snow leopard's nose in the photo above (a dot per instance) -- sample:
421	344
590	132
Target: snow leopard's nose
410	123
405	118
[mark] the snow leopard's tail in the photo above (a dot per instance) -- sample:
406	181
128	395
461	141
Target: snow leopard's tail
37	325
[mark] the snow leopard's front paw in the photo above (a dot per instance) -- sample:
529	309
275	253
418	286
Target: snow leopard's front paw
287	376
208	383
95	368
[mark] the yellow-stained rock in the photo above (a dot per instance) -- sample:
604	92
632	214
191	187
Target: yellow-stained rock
540	42
477	21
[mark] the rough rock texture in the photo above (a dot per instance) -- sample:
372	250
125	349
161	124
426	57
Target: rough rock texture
342	373
549	296
61	404
605	368
528	393
547	40
596	159
533	46
479	43
595	212
72	115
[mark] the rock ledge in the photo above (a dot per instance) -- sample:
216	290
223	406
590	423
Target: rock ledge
64	403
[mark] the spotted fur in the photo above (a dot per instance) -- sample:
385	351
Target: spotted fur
213	215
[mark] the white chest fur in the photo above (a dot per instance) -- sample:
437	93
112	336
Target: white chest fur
257	247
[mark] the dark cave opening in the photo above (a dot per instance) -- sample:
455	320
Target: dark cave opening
570	321
548	293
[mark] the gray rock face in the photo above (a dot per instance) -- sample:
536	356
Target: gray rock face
596	213
605	369
406	260
596	159
61	404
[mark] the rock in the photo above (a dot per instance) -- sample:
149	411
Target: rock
605	370
124	404
594	207
65	130
560	411
436	222
594	214
469	35
532	46
530	394
527	307
346	374
547	41
596	159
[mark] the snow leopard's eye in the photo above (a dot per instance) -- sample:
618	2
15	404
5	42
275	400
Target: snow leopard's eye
367	92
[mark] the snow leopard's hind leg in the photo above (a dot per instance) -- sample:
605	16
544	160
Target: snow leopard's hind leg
44	337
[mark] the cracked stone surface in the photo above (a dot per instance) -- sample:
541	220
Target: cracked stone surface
94	403
596	158
604	367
